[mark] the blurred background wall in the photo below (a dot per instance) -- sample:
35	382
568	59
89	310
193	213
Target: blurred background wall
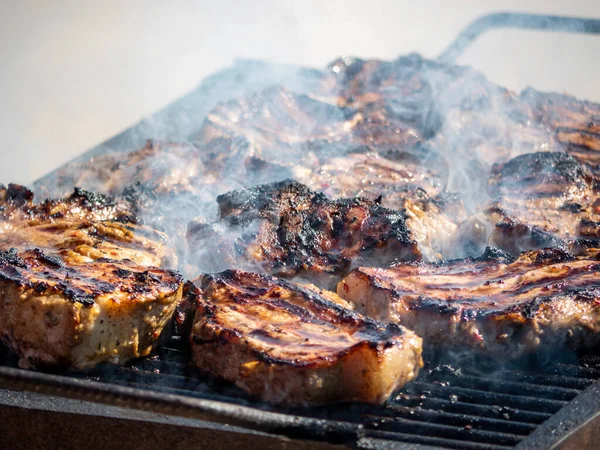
75	73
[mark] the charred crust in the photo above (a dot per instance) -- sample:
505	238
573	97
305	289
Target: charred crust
495	254
48	260
552	256
122	273
146	277
91	199
309	231
11	258
531	168
16	194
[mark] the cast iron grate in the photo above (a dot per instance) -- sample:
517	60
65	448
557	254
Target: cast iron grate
458	401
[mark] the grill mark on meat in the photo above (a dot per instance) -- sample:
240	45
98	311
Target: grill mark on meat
539	200
286	228
550	297
82	227
57	314
73	283
286	343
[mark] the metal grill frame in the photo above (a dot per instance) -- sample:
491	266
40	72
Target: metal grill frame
177	122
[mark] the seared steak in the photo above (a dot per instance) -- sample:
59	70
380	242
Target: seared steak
286	229
456	107
58	315
542	299
539	200
410	182
82	227
287	344
160	165
575	123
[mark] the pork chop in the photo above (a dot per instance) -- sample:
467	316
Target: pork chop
58	315
493	304
287	344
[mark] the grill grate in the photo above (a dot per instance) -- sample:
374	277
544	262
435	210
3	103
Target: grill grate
466	403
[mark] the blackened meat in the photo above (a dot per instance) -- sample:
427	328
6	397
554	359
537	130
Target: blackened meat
285	228
538	200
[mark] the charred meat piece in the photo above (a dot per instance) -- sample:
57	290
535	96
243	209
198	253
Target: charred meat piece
162	166
81	228
276	118
286	229
410	182
575	123
55	315
80	204
165	184
456	107
542	299
287	344
539	200
301	131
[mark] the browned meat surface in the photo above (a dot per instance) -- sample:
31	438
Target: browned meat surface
410	183
286	229
456	106
409	175
276	121
542	299
287	344
161	165
78	315
81	228
305	133
575	123
539	200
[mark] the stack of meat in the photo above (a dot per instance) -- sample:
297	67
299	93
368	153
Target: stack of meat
437	205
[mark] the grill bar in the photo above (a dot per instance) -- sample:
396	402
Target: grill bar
444	407
460	420
491	411
511	387
435	441
525	402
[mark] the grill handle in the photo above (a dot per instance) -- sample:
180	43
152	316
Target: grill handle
516	21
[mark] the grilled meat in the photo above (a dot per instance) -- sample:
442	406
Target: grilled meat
78	315
276	120
304	133
410	183
286	344
162	166
456	107
575	123
82	227
286	229
397	176
542	299
539	200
